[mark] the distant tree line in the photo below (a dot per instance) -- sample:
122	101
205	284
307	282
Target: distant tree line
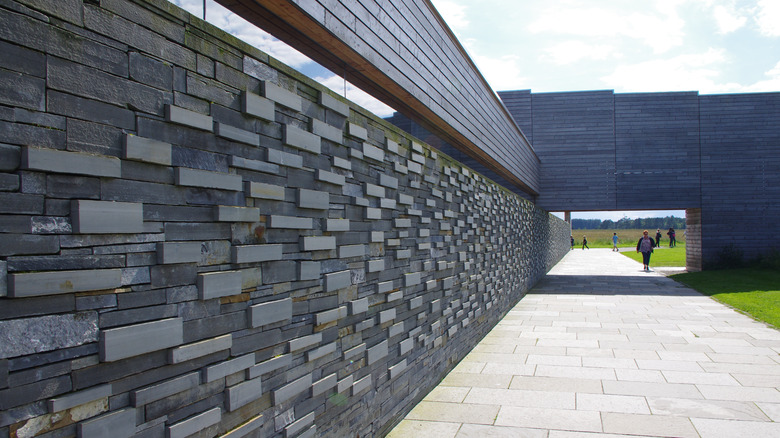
624	224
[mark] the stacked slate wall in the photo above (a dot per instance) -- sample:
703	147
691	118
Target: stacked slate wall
196	239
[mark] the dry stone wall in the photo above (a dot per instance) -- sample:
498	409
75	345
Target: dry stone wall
197	240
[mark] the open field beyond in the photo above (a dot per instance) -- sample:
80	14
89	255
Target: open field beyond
628	238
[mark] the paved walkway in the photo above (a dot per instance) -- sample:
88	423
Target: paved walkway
601	348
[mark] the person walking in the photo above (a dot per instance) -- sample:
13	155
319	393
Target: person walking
585	243
672	238
658	237
615	242
572	243
645	246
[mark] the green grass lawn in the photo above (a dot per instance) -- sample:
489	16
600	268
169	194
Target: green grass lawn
627	238
751	290
662	257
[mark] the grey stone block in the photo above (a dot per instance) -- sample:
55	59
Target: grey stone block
178	252
3	278
258	165
333	103
207	179
372	213
386	316
330	177
313	199
377	236
397	369
331	315
349	251
280	271
403	223
405	199
358	306
258	106
327	131
337	280
391	145
79	398
291	389
337	225
376	352
345	384
384	287
147	150
269	313
117	424
134	340
50	332
237	134
200	349
27	244
373	152
304	342
180	274
243	393
324	385
412	279
323	351
264	191
159	391
269	365
247	429
361	385
402	254
317	243
285	159
182	116
282	96
62	282
106	217
357	131
375	265
388	203
294	429
228	367
308	270
415	302
219	284
373	190
195	424
50	160
290	222
256	253
341	163
395	296
300	139
406	346
395	330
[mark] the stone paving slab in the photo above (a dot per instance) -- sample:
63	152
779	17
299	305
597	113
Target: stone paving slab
600	348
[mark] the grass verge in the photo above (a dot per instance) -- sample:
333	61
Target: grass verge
662	257
753	291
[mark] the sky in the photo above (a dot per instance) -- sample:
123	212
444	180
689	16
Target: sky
709	46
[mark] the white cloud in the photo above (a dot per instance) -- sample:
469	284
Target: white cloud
356	95
502	73
696	72
570	52
727	19
768	17
454	14
771	84
660	29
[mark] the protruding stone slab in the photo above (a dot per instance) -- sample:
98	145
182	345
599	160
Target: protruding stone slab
317	243
264	191
237	134
327	131
147	150
228	367
361	385
350	251
219	284
62	282
270	312
357	131
117	424
195	424
51	160
313	199
256	253
305	342
376	352
106	217
182	116
282	96
129	341
300	139
336	225
243	393
330	177
308	270
269	365
159	391
324	385
337	280
373	152
297	426
200	349
258	106
258	165
24	336
207	179
291	389
290	222
333	103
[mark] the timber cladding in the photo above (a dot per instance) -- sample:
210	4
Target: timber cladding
196	239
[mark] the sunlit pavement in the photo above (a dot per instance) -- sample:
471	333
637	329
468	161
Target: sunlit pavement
602	348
